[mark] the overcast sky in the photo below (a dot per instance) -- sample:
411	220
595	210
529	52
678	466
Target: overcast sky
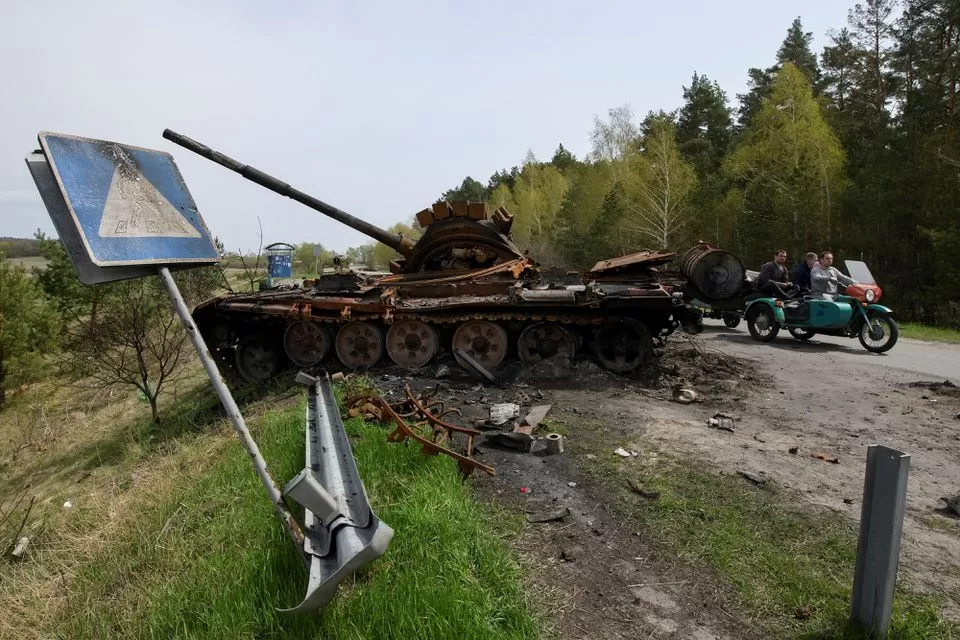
374	107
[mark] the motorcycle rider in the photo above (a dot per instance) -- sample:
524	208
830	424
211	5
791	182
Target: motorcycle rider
824	278
772	280
801	272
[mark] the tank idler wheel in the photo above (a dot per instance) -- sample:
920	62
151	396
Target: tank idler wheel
258	359
623	345
412	343
359	345
545	340
482	340
306	343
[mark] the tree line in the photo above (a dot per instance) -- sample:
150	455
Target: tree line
855	149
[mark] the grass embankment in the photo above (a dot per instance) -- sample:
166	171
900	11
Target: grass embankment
203	554
789	566
931	334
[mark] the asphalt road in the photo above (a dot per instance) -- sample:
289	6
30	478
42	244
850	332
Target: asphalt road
933	360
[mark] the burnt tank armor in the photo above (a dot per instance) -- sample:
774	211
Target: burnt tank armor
463	288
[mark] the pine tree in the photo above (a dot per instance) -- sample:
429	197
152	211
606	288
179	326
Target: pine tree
29	326
704	124
795	49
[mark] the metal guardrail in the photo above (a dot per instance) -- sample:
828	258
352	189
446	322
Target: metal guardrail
341	531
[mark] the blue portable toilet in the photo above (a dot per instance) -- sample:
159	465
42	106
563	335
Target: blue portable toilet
279	261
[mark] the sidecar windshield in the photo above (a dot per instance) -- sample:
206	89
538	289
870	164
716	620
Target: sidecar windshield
859	271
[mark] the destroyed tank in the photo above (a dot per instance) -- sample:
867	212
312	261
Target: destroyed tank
463	288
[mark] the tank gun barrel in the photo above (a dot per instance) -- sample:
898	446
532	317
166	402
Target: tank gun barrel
397	242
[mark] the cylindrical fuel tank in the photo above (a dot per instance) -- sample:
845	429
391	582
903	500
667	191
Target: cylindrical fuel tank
714	273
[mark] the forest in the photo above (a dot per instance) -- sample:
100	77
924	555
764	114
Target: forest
852	149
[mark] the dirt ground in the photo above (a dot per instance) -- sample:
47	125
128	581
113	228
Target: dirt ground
606	577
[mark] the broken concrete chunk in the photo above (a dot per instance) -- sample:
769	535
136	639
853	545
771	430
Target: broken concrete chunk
548	516
536	415
502	412
684	396
757	478
721	421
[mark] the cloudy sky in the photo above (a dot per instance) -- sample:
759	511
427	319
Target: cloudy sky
375	107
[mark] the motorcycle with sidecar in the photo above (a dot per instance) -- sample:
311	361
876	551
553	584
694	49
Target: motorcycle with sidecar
854	313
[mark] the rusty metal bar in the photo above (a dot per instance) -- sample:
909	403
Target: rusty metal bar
233	411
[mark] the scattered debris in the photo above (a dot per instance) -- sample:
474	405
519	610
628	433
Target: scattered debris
20	548
721	421
339	376
520	441
502	412
443	371
591	456
623	453
536	416
554	443
793	450
907	410
758	479
848	501
643	493
957	417
68	504
524	490
548	516
953	503
802	612
463	356
945	388
819	455
429	415
571	484
684	396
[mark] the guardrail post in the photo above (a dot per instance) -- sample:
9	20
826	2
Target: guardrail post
881	528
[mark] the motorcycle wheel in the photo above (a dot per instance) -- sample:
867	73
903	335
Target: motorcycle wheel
731	320
762	324
879	334
802	334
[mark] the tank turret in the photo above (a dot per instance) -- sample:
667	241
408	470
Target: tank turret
458	235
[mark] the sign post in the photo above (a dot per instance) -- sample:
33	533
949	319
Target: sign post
124	212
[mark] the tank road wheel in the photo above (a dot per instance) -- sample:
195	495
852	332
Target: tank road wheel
359	345
545	340
306	343
482	340
623	344
258	359
412	343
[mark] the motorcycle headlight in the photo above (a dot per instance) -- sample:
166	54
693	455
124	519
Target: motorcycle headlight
871	296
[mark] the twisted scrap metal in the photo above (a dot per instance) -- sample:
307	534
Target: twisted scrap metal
428	413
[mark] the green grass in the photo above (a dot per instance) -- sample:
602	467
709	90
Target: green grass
789	567
223	565
926	332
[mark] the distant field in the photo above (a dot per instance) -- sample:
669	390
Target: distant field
28	263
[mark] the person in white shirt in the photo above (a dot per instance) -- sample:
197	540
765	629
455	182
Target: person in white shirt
824	278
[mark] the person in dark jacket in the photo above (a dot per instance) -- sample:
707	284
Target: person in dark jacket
801	272
773	276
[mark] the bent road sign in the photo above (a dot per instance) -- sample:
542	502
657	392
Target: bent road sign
129	205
